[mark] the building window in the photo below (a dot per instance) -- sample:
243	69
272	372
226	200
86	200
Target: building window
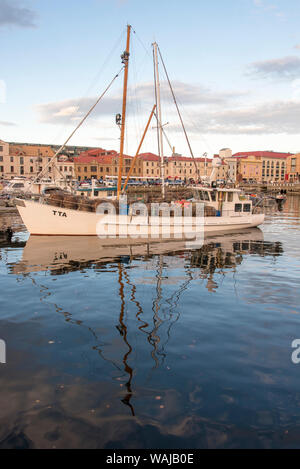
31	169
293	165
1	169
94	169
1	148
1	158
21	169
11	169
11	159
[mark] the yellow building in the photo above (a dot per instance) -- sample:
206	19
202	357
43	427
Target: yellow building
293	168
28	160
262	166
249	168
4	157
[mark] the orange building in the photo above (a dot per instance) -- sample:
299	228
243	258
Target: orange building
100	163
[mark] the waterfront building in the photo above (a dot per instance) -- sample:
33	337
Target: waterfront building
4	157
293	168
262	166
28	160
181	167
150	165
99	163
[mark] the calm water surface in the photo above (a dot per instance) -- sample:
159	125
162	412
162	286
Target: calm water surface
150	349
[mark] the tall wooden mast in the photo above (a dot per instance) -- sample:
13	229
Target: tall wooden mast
125	60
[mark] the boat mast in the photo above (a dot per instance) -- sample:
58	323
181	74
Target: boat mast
160	133
125	61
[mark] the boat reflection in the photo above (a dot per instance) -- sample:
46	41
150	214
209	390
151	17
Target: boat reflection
219	254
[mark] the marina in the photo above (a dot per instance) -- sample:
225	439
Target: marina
149	228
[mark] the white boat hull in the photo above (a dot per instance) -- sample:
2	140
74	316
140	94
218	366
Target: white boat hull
42	219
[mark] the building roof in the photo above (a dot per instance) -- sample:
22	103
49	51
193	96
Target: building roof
85	158
149	157
264	154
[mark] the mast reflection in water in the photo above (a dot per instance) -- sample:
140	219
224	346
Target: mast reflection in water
141	327
61	255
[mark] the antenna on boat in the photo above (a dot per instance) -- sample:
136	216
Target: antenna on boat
159	124
125	61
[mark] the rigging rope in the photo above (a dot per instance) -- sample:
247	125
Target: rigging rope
179	114
75	130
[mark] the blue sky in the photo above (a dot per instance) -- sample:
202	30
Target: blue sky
234	65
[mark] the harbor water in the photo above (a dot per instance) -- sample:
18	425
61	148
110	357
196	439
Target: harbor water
152	347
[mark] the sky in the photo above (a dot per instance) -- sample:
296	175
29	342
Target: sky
234	66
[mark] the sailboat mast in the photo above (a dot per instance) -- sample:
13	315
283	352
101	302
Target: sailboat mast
159	123
125	60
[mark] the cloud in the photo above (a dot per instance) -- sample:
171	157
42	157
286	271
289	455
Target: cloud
277	117
286	68
70	110
186	94
266	6
13	14
7	124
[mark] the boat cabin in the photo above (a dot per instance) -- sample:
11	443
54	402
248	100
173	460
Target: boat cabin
228	202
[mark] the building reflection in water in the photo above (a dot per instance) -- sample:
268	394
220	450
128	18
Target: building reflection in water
219	255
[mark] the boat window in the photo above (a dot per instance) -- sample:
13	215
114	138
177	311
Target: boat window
238	207
16	186
201	195
213	195
229	196
206	196
196	195
96	193
247	207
